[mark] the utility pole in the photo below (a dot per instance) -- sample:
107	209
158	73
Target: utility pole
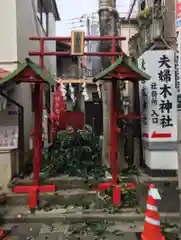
108	19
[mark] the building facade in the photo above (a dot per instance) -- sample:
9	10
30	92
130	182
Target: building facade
28	18
127	29
156	26
19	21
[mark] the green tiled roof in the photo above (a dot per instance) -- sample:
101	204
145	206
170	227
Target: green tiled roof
125	61
46	77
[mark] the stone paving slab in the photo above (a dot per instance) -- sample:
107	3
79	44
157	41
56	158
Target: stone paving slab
67	182
78	231
55	231
64	197
81	216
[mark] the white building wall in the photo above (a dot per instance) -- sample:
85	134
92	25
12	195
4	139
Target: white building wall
8	40
28	25
51	45
127	30
18	22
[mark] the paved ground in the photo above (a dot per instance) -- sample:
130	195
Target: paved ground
54	225
57	231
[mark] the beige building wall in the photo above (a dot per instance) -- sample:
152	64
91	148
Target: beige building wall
18	22
127	30
8	46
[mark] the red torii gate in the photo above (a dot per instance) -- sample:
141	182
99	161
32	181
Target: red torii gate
36	188
123	68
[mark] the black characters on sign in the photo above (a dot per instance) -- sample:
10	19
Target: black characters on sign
154	94
144	97
177	60
145	120
177	70
154	102
164	75
155	117
165	104
143	64
144	104
166	121
143	67
164	62
179	101
165	91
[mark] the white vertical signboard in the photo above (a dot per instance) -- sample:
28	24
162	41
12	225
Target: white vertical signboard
158	97
178	55
144	98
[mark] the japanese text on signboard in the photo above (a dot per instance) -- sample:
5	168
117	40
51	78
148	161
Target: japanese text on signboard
160	98
144	95
162	114
177	69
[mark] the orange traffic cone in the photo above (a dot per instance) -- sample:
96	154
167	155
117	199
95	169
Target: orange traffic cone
152	217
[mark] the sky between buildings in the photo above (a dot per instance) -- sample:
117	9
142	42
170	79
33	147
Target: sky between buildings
71	11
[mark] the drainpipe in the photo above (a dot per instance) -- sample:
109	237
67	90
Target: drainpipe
21	130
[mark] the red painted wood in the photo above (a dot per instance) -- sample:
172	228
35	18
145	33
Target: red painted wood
161	135
33	192
145	135
38	53
87	38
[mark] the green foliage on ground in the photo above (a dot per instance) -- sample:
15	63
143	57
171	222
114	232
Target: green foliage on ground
76	153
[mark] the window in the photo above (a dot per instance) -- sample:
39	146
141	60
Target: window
157	2
43	16
142	5
95	97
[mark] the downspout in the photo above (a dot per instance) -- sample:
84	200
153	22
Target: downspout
21	130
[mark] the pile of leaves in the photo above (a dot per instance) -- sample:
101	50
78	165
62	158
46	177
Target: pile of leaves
98	231
75	153
78	154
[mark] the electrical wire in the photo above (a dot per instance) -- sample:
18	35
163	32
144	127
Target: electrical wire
81	26
71	23
72	19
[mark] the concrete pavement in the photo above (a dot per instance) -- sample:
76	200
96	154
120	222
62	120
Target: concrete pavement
58	231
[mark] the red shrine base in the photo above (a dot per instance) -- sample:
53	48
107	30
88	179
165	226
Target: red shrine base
33	192
116	194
